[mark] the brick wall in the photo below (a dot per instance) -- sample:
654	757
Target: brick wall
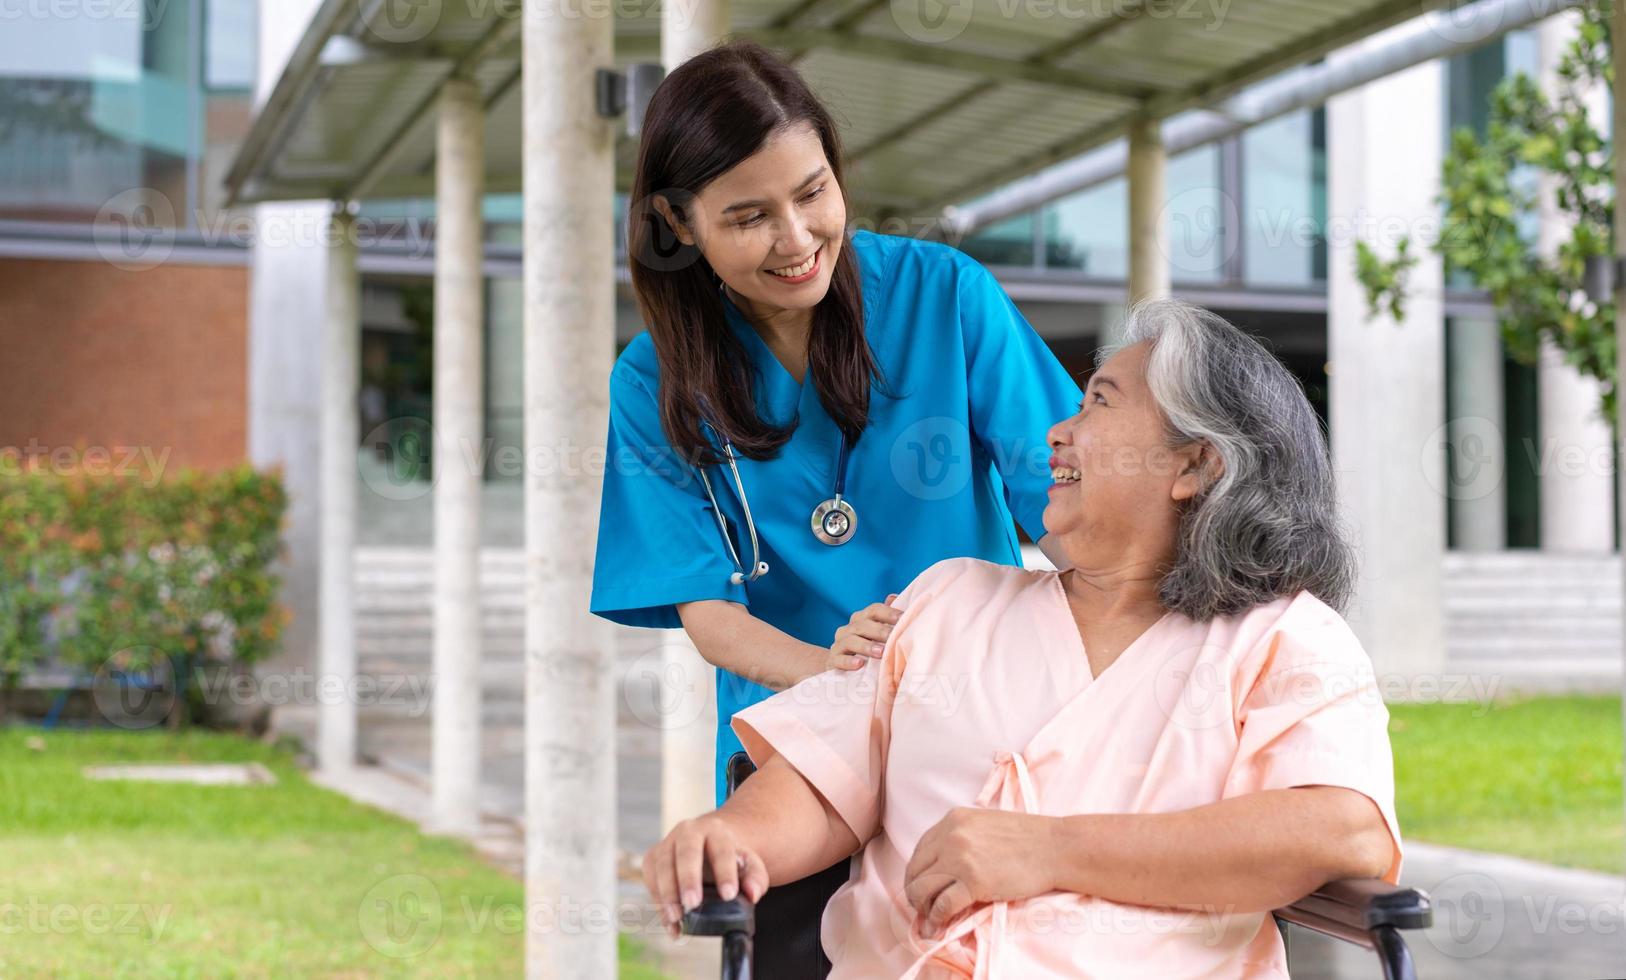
92	355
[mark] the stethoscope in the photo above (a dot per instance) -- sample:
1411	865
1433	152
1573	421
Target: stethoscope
833	523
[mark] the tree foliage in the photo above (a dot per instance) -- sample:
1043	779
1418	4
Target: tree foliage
1489	197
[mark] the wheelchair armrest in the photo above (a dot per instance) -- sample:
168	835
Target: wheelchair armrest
715	917
1360	905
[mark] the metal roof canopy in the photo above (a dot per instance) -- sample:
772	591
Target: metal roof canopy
932	114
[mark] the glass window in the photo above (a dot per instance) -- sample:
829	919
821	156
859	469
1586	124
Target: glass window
230	44
99	115
1089	230
1010	242
1284	190
1196	216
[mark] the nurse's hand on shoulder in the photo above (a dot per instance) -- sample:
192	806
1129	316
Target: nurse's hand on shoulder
864	636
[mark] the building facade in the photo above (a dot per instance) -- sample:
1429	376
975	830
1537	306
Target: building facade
133	310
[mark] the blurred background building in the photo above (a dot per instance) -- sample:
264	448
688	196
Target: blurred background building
126	122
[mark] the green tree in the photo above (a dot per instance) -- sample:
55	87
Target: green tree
1489	197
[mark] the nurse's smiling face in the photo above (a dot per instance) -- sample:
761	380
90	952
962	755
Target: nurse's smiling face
1119	487
772	225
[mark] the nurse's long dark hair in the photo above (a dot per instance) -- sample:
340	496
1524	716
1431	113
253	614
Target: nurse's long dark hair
712	112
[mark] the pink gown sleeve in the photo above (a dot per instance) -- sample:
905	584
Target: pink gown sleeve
1312	715
835	727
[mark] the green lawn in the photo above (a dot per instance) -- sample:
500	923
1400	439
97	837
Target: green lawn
127	879
1540	778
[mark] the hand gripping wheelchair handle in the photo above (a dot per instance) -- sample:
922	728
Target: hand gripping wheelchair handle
735	920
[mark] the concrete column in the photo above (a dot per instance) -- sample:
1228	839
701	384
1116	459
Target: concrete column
341	384
286	314
570	690
459	415
1148	232
689	697
1477	453
1573	455
1387	379
1617	54
690	28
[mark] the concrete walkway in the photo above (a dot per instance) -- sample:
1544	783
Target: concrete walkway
1496	917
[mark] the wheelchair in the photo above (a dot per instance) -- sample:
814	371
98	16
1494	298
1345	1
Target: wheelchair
778	938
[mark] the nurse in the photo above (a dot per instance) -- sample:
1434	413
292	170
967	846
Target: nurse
885	382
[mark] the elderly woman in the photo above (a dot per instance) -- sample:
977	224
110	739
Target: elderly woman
1113	771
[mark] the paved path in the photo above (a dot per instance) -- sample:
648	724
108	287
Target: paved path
1495	917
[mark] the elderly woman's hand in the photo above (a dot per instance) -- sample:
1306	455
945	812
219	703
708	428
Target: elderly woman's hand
705	847
978	855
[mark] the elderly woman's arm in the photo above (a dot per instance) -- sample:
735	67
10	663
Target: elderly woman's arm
1248	853
774	829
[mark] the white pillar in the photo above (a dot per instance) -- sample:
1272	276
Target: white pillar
459	411
1148	234
570	693
1478	440
341	383
1617	55
1387	383
286	315
1573	457
689	697
690	28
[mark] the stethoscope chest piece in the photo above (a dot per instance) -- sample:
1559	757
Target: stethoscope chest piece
834	521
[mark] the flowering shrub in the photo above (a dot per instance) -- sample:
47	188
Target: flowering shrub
93	567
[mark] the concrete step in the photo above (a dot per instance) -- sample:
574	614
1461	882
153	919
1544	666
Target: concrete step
1535	620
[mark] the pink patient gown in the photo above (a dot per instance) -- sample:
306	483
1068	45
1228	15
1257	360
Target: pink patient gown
984	697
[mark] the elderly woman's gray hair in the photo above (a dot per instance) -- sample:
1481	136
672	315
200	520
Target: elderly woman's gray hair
1268	526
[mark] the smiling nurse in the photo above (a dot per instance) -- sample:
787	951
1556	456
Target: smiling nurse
885	402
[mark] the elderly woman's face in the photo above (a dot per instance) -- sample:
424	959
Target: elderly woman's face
772	225
1113	464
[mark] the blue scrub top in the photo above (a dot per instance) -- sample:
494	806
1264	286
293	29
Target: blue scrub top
938	473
